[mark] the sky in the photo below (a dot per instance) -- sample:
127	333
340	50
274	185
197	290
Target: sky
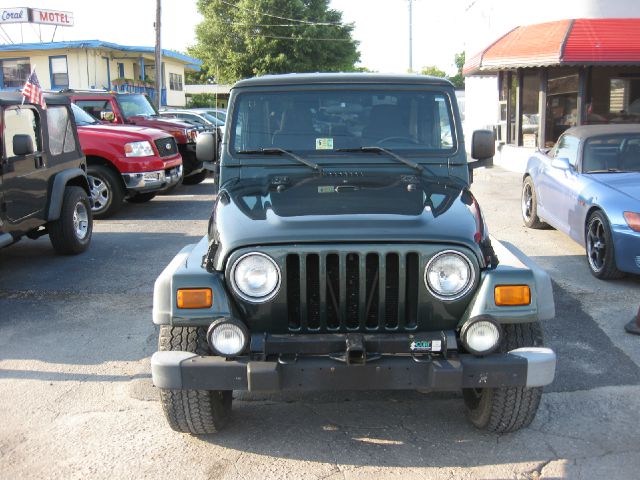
381	27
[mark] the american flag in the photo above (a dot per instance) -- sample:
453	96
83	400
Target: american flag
32	90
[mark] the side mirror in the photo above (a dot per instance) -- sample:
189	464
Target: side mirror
207	146
561	163
107	116
22	145
483	148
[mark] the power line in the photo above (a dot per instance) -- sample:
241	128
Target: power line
306	22
302	38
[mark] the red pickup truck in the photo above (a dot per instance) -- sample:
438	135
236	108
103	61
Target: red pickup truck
125	162
135	109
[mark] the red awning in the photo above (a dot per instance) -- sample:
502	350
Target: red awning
565	42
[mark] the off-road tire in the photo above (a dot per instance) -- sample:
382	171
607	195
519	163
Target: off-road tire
530	212
195	178
107	191
199	412
142	197
608	270
506	409
64	232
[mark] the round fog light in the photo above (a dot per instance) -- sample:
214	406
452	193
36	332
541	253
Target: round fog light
481	336
227	338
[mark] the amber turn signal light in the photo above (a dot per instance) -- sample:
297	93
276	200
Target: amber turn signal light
633	220
195	298
510	295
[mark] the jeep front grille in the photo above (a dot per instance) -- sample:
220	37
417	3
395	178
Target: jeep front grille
346	291
166	146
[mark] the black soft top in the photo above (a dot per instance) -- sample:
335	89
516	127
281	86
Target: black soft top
341	79
15	98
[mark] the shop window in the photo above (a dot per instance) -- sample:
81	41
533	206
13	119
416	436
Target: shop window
175	82
503	80
59	72
15	72
562	102
530	108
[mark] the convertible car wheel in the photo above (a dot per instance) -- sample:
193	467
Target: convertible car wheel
529	205
600	252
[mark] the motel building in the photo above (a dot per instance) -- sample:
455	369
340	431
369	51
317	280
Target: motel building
531	73
95	64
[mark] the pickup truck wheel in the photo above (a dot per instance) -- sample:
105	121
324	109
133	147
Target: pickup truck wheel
199	412
107	192
506	409
195	178
141	197
530	206
71	233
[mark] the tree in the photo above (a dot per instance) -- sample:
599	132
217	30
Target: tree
244	38
457	79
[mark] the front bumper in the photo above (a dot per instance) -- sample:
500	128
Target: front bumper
530	367
627	249
152	181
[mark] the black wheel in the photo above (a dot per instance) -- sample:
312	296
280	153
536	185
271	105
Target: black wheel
529	205
71	233
195	178
506	409
141	197
199	412
107	191
600	250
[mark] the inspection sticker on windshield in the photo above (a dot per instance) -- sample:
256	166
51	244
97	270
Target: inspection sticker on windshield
324	143
327	189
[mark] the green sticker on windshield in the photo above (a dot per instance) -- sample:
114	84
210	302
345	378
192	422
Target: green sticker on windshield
328	189
324	143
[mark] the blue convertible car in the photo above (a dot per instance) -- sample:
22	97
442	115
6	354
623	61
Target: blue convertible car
588	186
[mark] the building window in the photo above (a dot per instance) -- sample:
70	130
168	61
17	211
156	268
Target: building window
530	108
59	72
562	102
120	70
175	81
15	72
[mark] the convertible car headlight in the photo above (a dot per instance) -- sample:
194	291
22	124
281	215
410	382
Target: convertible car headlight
255	277
449	275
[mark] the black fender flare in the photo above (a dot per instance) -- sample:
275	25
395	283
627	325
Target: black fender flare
60	182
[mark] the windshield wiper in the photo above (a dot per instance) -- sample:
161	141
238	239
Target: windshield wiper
383	150
282	151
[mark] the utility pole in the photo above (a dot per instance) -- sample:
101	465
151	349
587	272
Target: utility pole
410	35
158	85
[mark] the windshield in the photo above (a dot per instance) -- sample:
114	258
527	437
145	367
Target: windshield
82	117
612	153
219	114
331	120
132	105
214	120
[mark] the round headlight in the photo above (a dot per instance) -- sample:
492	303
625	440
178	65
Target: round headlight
449	275
480	336
226	338
255	277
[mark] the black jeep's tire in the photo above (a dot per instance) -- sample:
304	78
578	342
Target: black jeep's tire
195	178
142	197
529	205
107	191
506	409
71	232
199	412
601	256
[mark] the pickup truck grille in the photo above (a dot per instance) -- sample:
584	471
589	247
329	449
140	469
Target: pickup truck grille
166	146
347	291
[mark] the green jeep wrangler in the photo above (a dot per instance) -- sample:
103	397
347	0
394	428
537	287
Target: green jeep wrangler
346	251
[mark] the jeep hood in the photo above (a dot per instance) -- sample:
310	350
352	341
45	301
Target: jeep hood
359	209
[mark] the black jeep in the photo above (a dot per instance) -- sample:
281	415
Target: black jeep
346	251
43	181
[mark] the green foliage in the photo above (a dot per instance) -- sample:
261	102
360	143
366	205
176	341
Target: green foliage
457	79
237	40
201	100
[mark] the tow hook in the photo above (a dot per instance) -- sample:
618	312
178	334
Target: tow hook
355	353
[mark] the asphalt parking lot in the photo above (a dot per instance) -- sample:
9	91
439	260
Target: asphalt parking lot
76	399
